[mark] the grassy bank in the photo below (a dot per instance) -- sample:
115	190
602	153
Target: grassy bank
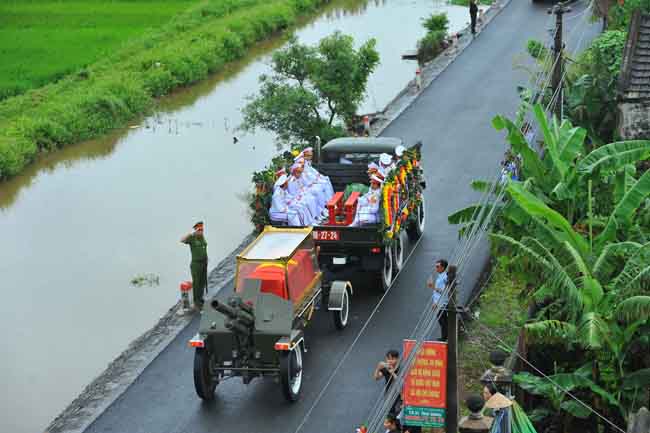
41	41
501	309
118	87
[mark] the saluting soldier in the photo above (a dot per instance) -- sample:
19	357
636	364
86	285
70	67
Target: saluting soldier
199	264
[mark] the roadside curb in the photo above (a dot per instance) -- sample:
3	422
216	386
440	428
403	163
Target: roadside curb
123	371
127	367
432	70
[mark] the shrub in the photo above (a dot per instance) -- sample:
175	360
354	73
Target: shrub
436	22
430	46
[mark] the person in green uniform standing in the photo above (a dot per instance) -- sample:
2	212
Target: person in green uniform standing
199	264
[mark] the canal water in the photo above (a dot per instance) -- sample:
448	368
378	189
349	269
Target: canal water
78	226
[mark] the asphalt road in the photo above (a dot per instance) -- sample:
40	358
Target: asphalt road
452	118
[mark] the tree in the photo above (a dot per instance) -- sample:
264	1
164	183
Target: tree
313	90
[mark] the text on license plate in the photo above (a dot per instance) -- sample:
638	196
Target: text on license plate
326	235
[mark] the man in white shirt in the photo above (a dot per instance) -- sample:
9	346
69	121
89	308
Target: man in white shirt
368	204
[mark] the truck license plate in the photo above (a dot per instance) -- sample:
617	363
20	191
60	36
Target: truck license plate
326	235
338	260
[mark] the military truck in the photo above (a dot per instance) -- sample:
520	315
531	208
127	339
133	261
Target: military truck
341	247
259	330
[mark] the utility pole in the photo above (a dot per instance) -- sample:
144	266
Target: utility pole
556	84
451	421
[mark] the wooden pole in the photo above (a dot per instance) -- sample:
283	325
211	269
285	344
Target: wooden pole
451	422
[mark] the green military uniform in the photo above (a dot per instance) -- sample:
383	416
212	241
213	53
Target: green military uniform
198	266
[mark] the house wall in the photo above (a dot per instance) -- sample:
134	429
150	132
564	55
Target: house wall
634	120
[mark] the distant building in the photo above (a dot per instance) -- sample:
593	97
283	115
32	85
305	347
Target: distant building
634	81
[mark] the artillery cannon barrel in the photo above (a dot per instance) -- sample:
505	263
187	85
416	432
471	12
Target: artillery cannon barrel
237	327
224	309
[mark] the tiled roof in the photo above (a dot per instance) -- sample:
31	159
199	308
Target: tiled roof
634	81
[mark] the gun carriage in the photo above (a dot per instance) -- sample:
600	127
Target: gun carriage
259	330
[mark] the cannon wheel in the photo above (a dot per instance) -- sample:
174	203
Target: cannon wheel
416	228
398	253
341	316
291	373
204	382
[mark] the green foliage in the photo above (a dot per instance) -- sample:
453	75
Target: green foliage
77	34
591	85
436	23
123	83
430	46
586	267
536	49
620	15
434	42
313	91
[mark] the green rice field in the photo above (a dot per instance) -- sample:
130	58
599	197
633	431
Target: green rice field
43	40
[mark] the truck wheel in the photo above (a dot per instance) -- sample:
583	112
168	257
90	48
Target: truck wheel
341	316
416	228
385	275
204	381
291	373
398	253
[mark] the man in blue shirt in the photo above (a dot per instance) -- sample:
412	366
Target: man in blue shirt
440	296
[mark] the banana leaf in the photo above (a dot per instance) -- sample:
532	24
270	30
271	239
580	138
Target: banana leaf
625	209
614	156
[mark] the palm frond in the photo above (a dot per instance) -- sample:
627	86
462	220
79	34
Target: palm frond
633	309
633	266
551	332
622	214
605	262
592	331
614	156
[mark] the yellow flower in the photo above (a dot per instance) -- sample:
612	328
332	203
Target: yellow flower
389	235
295	152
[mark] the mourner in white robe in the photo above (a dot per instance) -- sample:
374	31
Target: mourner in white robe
368	204
300	190
314	175
315	188
285	208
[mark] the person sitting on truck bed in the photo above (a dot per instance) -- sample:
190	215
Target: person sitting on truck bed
315	188
285	208
368	204
312	173
318	185
385	164
299	189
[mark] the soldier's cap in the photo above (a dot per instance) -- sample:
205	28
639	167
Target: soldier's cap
281	172
295	167
308	150
376	178
385	159
373	166
281	181
198	225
